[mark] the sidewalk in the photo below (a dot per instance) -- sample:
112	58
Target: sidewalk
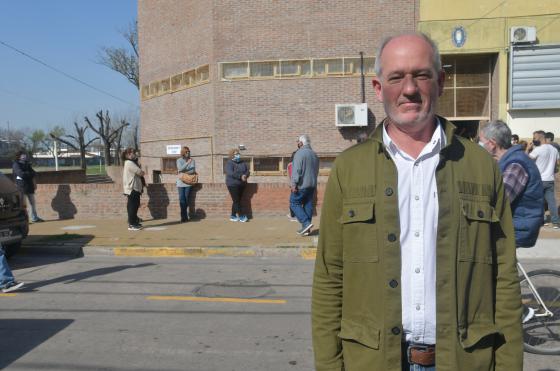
262	236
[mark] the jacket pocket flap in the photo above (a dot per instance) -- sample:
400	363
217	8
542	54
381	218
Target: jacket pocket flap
475	333
479	210
357	212
360	333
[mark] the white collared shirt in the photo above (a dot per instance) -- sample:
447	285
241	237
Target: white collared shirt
418	213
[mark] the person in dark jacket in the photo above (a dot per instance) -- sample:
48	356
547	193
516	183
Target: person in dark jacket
237	173
24	176
522	181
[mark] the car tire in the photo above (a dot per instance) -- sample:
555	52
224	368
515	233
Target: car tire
11	249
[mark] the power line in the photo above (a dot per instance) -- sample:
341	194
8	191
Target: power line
64	73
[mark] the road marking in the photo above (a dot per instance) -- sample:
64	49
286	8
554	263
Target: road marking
217	300
7	295
309	254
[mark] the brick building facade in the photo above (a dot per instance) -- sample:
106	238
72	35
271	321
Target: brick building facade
218	74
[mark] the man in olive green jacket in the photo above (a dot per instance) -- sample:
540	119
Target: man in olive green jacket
359	321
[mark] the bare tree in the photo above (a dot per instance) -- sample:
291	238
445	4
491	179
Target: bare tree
106	132
49	139
124	60
79	142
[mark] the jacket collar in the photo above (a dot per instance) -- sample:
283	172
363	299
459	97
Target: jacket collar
448	129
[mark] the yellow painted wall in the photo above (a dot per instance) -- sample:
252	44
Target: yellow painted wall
437	10
487	24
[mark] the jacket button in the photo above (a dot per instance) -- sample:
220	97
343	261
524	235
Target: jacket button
391	237
393	283
389	191
480	214
351	213
395	330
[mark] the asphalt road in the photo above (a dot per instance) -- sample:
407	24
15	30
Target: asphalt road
109	313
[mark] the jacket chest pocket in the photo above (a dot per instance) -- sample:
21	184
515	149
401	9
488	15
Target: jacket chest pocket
475	228
359	231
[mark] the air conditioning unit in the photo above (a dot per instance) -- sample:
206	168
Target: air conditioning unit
522	34
351	115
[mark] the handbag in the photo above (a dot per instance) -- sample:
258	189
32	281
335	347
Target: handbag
190	179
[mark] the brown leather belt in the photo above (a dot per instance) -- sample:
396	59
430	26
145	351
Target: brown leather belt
421	354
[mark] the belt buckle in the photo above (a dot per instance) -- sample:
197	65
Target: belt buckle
420	347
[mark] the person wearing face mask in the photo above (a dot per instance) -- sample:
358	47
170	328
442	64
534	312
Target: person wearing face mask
546	158
24	177
237	173
133	184
185	164
522	181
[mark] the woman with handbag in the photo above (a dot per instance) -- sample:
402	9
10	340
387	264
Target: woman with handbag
186	169
133	186
237	173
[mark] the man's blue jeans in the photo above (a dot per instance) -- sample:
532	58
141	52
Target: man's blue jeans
6	275
184	202
301	203
550	199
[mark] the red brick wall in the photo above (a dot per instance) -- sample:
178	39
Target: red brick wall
266	116
95	201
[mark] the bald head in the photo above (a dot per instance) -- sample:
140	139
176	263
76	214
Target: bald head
414	37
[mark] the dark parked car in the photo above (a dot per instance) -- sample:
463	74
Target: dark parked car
14	222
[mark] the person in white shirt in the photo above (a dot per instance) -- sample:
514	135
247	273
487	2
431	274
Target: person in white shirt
546	159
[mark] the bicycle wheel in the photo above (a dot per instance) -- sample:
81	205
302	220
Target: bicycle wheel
541	333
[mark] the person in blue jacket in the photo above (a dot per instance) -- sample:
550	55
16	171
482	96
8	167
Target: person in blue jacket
237	173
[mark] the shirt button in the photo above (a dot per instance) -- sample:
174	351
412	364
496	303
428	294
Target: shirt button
391	237
416	198
416	164
417	307
389	191
417	338
417	270
395	330
393	283
351	213
416	234
480	214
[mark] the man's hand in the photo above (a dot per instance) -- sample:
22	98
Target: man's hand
294	189
530	146
244	177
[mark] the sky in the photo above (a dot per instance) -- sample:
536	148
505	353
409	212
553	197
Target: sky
66	34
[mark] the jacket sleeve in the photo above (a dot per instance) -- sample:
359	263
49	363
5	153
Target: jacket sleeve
181	165
297	168
17	171
326	301
509	356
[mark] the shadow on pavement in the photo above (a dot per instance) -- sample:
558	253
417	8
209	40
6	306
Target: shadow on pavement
75	277
20	336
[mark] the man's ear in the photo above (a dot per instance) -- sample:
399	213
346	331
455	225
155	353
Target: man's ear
376	82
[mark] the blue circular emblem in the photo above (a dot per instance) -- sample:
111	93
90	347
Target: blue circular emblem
459	36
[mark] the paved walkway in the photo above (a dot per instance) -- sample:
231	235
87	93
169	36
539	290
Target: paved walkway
262	236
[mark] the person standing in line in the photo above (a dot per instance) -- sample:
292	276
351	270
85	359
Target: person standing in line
514	139
7	280
522	181
549	139
305	170
237	173
185	165
24	177
133	185
416	261
289	168
546	158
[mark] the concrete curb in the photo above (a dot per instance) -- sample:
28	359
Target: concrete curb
75	250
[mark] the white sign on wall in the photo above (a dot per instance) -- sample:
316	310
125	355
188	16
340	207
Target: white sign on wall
173	149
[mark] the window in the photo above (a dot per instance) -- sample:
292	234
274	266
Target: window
267	164
189	78
202	74
352	66
235	70
164	86
154	89
322	67
325	165
466	94
177	82
146	92
295	68
263	69
169	165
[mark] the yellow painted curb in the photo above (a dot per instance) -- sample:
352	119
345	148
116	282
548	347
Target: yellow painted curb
309	254
216	300
7	295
